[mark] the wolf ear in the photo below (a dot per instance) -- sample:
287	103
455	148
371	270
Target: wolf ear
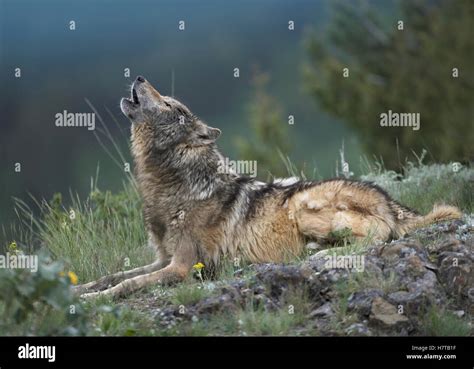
214	133
205	135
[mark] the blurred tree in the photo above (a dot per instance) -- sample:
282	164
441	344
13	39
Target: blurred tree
406	68
268	132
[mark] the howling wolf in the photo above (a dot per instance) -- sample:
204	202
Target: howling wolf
197	209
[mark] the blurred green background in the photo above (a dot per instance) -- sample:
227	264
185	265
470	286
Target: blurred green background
282	72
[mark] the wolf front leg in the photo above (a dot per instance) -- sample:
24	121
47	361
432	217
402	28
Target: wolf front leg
181	263
170	274
113	279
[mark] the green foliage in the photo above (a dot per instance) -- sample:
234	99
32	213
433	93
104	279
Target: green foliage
268	131
39	302
406	71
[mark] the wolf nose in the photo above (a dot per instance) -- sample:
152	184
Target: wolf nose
140	79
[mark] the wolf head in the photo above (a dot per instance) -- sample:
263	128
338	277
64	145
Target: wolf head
166	122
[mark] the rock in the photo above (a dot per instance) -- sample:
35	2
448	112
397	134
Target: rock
212	305
392	250
470	295
427	283
313	246
450	244
358	329
411	302
361	301
210	286
238	272
385	315
322	311
317	262
456	273
415	265
279	278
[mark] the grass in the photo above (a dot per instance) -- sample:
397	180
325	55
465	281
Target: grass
122	322
189	293
342	318
250	321
97	236
253	319
347	245
438	322
422	186
259	322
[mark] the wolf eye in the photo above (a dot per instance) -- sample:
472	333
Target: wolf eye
168	104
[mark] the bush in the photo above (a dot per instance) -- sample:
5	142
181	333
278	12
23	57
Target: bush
39	302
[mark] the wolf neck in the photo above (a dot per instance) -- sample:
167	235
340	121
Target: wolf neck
183	173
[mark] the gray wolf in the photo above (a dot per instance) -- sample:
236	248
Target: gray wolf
196	212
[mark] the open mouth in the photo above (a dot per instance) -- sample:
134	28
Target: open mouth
135	96
133	99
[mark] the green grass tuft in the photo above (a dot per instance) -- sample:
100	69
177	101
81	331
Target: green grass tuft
438	322
422	186
189	293
100	235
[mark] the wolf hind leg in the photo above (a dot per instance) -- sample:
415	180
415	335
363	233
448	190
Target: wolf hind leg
320	224
328	208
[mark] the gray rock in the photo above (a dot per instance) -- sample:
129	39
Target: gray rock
324	310
358	329
385	315
456	273
411	302
313	246
361	301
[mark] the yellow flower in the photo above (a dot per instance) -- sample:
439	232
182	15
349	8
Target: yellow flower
198	266
12	247
73	277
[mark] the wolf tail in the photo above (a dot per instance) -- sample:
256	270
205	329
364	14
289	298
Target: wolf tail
408	220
